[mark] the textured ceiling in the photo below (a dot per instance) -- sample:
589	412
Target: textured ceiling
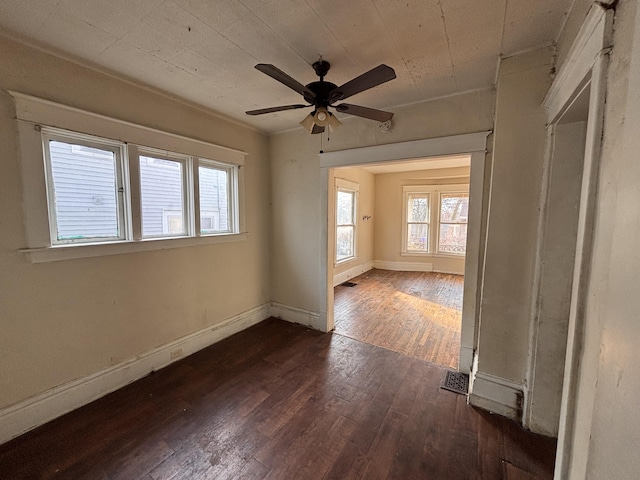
431	163
204	51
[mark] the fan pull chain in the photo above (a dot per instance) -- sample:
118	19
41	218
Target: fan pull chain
321	151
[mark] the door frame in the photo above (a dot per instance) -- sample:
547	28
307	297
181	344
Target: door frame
473	144
586	63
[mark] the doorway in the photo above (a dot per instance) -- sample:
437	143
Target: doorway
473	145
575	111
405	225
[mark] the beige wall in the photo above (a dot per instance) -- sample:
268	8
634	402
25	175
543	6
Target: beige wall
518	153
388	230
364	228
296	182
64	320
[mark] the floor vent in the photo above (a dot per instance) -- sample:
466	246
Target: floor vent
456	382
348	284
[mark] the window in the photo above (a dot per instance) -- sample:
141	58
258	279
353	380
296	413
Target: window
454	212
418	222
216	195
163	196
346	211
435	219
96	186
84	189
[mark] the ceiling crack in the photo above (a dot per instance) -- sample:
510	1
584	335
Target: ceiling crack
446	35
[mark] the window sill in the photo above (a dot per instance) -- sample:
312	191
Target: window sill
344	260
69	252
435	255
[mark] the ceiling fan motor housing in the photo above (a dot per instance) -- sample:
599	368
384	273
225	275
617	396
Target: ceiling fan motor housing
321	90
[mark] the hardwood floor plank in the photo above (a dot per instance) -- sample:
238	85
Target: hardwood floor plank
330	446
139	460
415	313
281	401
382	453
253	470
511	472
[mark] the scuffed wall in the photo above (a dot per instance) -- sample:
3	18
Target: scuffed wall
62	321
518	156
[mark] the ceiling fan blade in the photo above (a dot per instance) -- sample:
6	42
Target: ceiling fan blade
262	111
365	112
374	77
277	74
317	129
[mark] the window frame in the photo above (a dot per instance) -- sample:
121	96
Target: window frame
34	114
232	195
346	186
121	182
405	239
440	222
434	192
186	167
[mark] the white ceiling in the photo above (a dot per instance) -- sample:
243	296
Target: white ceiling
204	51
431	163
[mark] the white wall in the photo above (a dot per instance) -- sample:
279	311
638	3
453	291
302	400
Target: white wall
558	236
612	327
296	182
65	320
518	157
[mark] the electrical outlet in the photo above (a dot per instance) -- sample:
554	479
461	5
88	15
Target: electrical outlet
177	353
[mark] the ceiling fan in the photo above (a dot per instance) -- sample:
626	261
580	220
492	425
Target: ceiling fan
322	95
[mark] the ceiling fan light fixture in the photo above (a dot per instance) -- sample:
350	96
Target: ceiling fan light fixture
322	117
334	123
308	123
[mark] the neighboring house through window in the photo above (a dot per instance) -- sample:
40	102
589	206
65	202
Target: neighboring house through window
163	192
91	182
84	187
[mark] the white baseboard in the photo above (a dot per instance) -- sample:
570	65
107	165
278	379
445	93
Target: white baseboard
496	394
297	315
35	411
352	272
403	266
449	272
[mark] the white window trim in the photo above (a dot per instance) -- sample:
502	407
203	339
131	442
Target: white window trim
434	192
233	200
34	113
352	187
440	222
406	191
119	151
186	164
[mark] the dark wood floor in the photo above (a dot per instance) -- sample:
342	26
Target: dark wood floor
280	401
415	313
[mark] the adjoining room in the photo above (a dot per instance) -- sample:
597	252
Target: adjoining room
400	241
